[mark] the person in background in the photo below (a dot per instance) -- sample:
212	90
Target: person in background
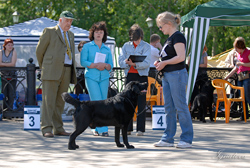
155	47
174	82
242	67
80	45
55	53
202	74
98	62
136	71
80	86
230	62
231	59
8	58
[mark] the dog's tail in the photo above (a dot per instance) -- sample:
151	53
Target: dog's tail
67	98
194	106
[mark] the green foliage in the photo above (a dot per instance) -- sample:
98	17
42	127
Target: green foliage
119	15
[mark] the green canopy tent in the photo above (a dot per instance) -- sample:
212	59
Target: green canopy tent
196	23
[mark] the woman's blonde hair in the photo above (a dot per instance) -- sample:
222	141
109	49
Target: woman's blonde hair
166	17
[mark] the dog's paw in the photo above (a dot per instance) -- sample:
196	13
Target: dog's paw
73	147
130	147
120	145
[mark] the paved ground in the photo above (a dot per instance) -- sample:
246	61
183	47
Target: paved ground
215	145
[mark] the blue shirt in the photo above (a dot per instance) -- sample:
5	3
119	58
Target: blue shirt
88	56
142	49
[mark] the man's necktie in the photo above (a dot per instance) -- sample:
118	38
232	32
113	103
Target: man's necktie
67	44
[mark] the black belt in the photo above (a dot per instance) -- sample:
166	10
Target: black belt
67	65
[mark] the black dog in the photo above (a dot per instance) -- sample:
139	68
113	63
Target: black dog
112	92
115	111
204	100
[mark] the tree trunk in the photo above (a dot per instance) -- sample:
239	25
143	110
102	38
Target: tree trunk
214	41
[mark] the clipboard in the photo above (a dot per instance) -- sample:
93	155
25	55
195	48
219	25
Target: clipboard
137	58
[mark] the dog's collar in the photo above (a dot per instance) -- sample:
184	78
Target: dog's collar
137	114
130	102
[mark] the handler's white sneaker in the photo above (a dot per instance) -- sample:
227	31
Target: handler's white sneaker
139	133
163	144
183	144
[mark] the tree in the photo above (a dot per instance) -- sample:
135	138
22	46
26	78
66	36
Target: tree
119	16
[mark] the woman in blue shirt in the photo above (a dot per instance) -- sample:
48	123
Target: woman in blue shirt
97	60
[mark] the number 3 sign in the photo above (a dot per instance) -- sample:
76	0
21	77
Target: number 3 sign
31	117
159	118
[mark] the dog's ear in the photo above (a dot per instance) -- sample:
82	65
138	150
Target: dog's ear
112	92
136	89
130	84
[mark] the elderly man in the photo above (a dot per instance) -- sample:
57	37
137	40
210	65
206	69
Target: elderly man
55	53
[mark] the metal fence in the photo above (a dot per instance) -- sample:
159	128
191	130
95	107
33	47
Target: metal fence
27	82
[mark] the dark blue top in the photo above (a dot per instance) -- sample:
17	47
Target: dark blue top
170	52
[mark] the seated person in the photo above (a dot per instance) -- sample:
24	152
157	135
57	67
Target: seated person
80	86
231	59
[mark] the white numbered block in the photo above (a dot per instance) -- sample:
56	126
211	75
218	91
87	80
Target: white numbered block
158	118
31	117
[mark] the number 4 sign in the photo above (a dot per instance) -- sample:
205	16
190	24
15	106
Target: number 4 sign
158	118
31	117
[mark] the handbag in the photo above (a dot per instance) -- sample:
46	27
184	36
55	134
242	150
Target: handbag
234	77
160	74
243	75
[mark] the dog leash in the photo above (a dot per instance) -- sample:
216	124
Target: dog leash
134	106
130	102
137	114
